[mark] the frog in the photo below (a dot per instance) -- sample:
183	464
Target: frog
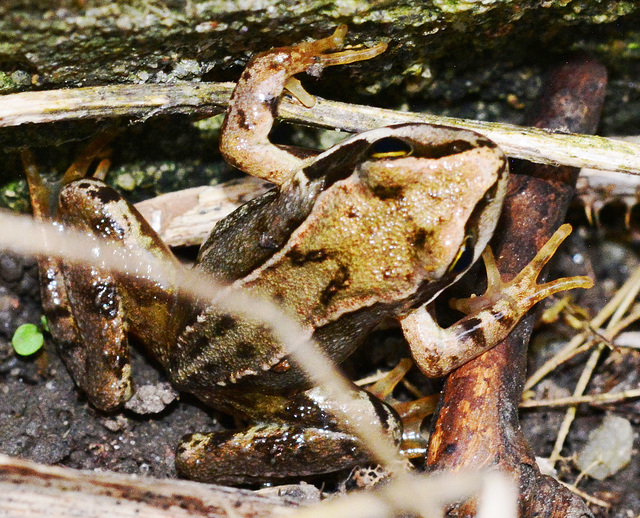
372	229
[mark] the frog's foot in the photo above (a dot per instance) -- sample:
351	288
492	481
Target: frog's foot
412	413
312	54
490	317
523	290
96	150
44	193
297	437
245	137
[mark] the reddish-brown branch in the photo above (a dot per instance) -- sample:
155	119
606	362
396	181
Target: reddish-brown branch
477	426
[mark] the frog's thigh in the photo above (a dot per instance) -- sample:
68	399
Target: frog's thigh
266	452
303	439
98	356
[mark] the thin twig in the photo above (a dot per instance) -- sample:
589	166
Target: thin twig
591	399
143	101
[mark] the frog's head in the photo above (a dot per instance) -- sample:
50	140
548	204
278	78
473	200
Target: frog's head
450	182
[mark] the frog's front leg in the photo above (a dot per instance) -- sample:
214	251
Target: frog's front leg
244	141
89	309
301	438
490	317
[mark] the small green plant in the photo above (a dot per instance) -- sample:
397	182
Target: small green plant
27	339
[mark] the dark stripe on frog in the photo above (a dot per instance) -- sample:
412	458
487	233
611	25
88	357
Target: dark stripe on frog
387	192
298	258
104	193
504	319
453	147
106	299
242	119
222	324
245	350
340	280
339	164
476	332
421	237
58	312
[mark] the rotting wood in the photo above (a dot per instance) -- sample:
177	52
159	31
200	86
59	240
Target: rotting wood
29	489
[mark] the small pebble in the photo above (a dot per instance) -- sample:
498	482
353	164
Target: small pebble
151	399
10	268
608	448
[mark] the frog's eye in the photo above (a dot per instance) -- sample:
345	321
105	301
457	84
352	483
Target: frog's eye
390	147
464	258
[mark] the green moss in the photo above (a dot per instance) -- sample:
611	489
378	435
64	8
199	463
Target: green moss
15	196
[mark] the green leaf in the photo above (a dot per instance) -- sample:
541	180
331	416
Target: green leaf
27	339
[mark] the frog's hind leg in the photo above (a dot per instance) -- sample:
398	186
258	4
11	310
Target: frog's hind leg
108	305
103	375
85	305
304	439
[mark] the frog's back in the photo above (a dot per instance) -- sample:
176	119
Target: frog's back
339	249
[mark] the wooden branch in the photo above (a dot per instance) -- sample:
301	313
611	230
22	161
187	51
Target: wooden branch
186	217
143	101
477	423
28	489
